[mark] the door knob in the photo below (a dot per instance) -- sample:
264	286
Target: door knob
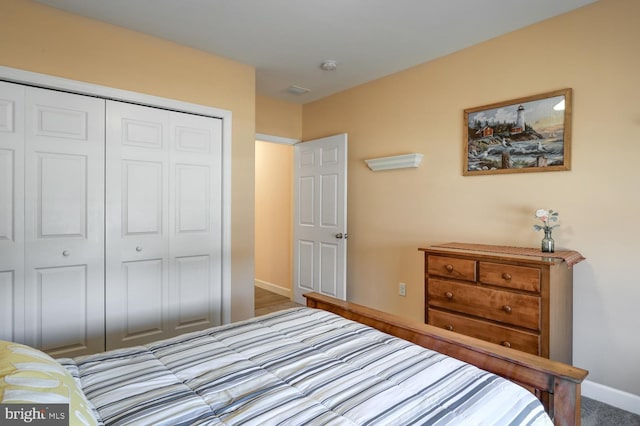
66	253
339	235
138	249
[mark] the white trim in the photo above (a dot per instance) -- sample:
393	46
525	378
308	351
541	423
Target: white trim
395	162
276	139
226	217
621	399
273	288
79	87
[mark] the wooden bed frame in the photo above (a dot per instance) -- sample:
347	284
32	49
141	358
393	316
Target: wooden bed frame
556	384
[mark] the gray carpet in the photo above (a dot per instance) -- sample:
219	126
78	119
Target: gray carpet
596	413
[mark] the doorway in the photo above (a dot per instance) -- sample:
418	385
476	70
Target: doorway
274	217
318	260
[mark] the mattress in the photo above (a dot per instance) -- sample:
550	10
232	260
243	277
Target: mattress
296	367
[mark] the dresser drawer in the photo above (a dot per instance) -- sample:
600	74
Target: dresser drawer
504	306
520	340
462	269
516	277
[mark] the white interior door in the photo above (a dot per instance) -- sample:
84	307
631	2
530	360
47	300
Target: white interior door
64	222
320	218
11	211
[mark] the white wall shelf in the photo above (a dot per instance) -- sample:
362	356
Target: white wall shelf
396	162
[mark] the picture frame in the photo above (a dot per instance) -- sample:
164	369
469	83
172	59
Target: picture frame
529	134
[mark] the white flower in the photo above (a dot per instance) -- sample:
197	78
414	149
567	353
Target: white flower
542	213
546	216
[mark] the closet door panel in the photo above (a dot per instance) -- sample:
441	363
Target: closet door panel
62	203
137	243
64	222
142	198
144	309
7	296
195	222
11	95
193	199
63	323
7	195
193	285
11	211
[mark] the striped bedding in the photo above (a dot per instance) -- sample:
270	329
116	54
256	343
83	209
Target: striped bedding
296	367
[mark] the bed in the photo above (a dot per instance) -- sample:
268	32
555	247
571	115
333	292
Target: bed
328	363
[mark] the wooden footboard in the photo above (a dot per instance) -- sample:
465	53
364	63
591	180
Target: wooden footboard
556	384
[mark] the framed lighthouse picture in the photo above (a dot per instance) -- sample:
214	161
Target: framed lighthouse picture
531	134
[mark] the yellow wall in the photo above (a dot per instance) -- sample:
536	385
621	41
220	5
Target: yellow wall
44	40
278	118
273	212
593	50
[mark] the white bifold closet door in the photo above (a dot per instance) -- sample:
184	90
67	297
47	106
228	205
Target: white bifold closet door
52	217
163	239
11	211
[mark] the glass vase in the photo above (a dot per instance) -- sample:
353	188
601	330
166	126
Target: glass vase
548	245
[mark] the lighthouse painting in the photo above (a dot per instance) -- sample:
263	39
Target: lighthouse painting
531	134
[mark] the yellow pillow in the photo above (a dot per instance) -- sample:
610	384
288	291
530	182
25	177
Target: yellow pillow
28	375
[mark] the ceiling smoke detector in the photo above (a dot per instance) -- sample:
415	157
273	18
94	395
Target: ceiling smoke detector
329	65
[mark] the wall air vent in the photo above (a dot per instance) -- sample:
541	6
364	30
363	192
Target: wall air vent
297	90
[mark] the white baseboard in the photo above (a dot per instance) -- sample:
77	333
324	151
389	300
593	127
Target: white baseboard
273	288
623	400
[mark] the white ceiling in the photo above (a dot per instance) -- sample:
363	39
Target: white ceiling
287	40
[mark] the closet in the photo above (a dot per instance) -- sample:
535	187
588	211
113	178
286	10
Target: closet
110	221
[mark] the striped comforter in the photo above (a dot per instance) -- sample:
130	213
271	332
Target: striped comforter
296	367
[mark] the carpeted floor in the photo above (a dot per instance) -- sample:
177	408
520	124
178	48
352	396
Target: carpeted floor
593	413
596	413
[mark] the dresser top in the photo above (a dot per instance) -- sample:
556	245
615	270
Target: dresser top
499	253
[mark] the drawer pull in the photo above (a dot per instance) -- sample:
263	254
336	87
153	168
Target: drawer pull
449	327
506	276
507	309
449	268
506	344
448	295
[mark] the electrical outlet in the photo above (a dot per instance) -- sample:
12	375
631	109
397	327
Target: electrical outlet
402	289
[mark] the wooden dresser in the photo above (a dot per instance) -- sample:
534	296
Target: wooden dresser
521	302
